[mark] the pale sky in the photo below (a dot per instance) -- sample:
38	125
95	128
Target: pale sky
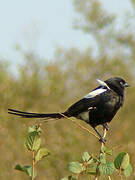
43	25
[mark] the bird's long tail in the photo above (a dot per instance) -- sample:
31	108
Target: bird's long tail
35	115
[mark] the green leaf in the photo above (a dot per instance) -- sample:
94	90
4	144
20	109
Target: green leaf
125	161
107	169
43	152
75	167
121	161
29	171
33	141
86	157
128	170
19	167
26	169
90	161
93	170
103	149
103	158
34	128
106	150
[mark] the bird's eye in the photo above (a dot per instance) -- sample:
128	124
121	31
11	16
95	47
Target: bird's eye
121	83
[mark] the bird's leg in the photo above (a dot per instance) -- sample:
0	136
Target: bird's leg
98	133
106	126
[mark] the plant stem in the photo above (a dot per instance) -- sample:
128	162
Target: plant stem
33	165
102	145
109	177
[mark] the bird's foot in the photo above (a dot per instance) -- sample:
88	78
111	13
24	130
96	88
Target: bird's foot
102	140
106	126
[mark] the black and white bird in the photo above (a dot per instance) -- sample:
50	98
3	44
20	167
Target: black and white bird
96	108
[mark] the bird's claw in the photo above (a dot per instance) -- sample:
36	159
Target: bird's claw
102	140
106	126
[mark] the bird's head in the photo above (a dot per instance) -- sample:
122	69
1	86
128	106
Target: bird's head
117	84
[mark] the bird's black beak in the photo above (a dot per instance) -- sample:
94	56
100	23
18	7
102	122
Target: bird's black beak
126	85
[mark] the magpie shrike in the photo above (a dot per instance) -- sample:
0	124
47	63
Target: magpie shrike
96	108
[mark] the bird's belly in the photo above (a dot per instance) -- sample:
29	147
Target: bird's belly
101	115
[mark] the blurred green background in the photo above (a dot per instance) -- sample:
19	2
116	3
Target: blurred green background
51	86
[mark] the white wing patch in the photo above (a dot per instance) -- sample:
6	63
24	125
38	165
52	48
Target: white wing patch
98	91
95	93
102	83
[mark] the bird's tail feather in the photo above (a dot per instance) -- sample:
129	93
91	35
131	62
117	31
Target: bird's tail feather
34	115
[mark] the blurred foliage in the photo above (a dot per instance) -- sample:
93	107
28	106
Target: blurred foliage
53	86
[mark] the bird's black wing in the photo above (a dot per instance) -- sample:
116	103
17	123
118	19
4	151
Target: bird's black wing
89	101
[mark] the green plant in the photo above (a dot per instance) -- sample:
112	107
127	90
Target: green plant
99	165
33	144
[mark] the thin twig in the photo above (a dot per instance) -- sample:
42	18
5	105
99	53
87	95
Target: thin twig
104	135
78	124
33	165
